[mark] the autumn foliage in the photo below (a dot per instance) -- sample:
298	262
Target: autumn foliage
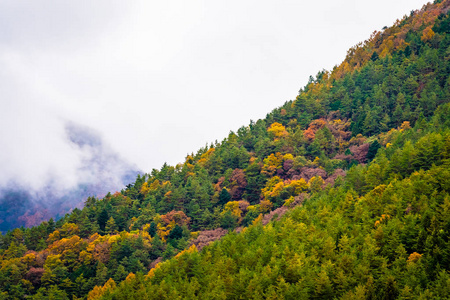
341	193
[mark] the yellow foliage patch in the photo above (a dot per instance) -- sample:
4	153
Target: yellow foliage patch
272	163
414	257
428	34
233	207
191	249
277	130
267	191
130	277
98	291
85	258
298	186
29	259
257	220
54	236
405	125
154	185
265	206
144	188
288	201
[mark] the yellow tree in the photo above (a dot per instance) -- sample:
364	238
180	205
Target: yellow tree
272	163
297	186
277	130
233	207
98	291
316	183
428	34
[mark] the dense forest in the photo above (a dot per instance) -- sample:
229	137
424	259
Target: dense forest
342	193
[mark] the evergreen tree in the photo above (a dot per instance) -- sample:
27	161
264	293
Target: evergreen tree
102	219
152	229
224	197
111	226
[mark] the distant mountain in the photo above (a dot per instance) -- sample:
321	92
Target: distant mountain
103	169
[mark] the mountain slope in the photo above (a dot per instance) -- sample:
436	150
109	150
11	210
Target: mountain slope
338	245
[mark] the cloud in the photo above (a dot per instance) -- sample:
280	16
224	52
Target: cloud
36	106
57	25
34	147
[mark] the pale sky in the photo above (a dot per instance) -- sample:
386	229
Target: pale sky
158	79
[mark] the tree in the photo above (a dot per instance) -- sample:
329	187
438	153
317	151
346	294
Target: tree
315	184
255	181
238	184
152	229
224	197
120	274
54	270
169	252
101	274
373	149
428	34
176	232
111	226
374	56
102	219
325	139
277	130
228	220
157	247
14	250
50	226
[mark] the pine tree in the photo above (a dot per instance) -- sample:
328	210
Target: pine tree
111	226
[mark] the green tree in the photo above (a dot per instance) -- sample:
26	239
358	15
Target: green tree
102	219
111	226
373	149
152	229
224	197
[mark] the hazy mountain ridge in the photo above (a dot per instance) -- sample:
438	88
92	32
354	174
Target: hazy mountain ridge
357	165
101	171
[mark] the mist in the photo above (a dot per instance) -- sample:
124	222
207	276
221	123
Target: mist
88	167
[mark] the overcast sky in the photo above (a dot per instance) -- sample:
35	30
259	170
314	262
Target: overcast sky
158	79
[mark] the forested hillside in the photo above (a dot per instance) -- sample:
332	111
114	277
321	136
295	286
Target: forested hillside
340	193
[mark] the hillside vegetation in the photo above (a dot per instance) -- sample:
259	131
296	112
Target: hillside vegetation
342	193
